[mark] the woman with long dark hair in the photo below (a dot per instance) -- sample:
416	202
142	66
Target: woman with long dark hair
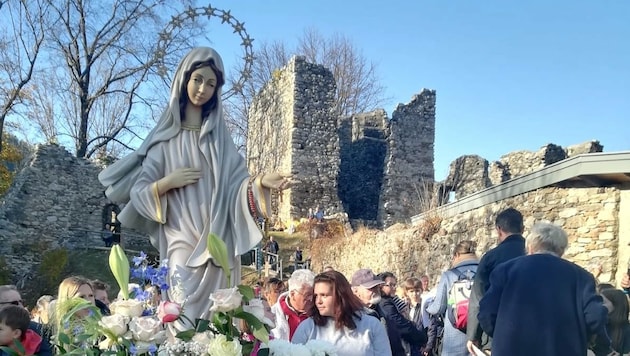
618	327
339	317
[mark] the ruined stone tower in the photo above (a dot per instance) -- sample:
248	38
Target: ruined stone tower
293	128
365	165
409	172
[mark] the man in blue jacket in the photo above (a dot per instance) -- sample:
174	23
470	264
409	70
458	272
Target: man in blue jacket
509	227
9	295
541	304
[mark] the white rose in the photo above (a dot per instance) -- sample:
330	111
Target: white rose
257	309
116	323
220	346
145	328
130	307
203	338
159	338
224	300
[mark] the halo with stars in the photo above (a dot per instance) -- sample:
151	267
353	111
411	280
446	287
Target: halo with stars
226	17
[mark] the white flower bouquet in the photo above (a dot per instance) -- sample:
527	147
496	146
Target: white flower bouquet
136	326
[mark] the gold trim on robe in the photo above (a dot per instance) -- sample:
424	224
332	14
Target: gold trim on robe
158	204
264	209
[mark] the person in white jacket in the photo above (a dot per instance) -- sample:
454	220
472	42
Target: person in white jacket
292	306
339	317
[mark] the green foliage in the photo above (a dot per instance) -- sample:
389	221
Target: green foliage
276	74
9	156
5	272
79	334
17	350
54	263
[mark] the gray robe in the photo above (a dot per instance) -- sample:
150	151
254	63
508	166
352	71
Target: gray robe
179	221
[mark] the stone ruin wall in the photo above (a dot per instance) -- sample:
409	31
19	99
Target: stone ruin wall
409	161
293	128
270	127
591	217
365	165
55	202
362	154
471	173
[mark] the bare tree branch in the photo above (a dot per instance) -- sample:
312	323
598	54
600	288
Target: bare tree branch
108	48
358	87
20	46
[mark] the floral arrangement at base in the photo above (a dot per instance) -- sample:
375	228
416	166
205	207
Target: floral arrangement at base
137	325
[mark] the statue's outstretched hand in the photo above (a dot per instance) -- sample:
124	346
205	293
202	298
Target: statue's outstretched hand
182	177
276	181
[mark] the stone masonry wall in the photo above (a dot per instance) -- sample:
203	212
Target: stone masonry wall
409	160
362	159
522	162
365	165
55	202
270	127
591	217
293	128
468	174
471	173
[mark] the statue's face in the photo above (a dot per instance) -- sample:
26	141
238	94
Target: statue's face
201	86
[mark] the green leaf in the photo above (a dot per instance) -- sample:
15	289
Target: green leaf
220	323
218	252
83	337
19	347
119	265
247	347
186	335
75	305
202	325
246	291
250	318
261	334
257	326
64	338
9	351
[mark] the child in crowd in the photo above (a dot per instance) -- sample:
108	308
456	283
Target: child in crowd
14	321
412	291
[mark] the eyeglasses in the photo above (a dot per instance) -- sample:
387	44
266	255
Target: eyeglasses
306	295
15	302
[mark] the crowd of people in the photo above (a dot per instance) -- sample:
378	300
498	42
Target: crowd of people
35	328
523	299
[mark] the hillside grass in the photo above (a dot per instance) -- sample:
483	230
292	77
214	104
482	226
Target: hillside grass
94	264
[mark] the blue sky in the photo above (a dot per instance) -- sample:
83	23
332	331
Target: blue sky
509	75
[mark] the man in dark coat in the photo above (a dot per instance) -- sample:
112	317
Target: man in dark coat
509	227
272	247
366	286
541	304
